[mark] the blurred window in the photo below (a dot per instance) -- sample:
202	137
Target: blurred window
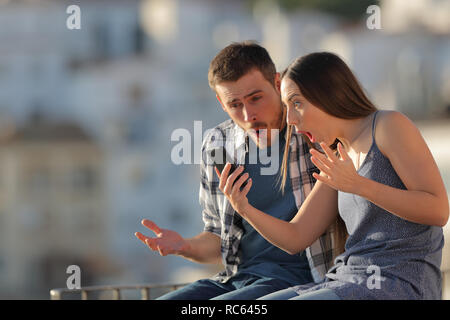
139	40
38	180
101	39
85	220
84	179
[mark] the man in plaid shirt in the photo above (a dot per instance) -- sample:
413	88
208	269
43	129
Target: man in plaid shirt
248	89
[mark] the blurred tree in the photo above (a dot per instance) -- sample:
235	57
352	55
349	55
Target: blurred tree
347	9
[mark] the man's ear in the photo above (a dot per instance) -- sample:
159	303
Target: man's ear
277	82
221	104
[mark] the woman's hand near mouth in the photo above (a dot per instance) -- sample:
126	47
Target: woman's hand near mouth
340	174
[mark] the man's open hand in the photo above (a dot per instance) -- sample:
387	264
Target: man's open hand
166	241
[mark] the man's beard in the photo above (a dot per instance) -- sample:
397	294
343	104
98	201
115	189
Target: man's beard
261	133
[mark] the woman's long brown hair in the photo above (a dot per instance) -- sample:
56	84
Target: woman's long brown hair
327	83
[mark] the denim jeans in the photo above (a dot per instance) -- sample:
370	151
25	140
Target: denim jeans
290	294
240	287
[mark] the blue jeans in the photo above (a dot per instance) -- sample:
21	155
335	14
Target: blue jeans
290	294
240	287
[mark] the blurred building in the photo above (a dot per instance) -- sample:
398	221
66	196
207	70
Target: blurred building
119	85
52	208
405	16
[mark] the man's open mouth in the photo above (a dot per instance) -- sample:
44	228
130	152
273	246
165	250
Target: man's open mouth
259	131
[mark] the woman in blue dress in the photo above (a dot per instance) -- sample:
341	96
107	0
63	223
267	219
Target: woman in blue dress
376	172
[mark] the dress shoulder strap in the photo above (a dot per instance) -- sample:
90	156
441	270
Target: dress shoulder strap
373	124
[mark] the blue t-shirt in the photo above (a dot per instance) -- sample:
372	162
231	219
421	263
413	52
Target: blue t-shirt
260	257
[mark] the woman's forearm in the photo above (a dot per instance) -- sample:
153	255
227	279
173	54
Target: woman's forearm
415	206
280	233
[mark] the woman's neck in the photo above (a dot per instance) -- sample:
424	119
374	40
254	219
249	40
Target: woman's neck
351	130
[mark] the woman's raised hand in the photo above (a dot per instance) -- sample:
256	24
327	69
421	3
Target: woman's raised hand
339	174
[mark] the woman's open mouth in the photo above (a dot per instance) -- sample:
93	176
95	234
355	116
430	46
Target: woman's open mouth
308	134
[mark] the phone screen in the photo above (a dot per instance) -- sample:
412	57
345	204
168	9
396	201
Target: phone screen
220	162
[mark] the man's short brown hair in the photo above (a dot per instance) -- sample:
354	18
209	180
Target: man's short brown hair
235	60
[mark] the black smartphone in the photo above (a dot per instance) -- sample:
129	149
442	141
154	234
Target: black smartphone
220	162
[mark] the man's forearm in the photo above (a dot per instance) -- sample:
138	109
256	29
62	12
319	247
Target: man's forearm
203	248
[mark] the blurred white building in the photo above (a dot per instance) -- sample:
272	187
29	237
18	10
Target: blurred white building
53	211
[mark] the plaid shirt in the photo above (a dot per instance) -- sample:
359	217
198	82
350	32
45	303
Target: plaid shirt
219	216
